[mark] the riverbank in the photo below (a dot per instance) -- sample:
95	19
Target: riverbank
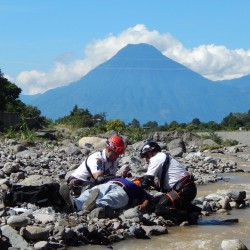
51	161
241	136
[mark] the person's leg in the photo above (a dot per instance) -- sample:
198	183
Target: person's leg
188	194
80	200
114	196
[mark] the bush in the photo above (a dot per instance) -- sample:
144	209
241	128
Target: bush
135	134
116	125
213	136
229	142
24	134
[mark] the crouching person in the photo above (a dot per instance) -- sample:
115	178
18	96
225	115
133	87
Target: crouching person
175	182
115	194
98	167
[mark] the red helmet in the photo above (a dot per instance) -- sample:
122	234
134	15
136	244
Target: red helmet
116	144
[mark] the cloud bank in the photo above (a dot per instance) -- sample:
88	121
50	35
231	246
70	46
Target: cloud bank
211	61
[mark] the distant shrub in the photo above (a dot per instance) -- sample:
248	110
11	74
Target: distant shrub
116	125
230	142
209	147
23	134
213	136
135	134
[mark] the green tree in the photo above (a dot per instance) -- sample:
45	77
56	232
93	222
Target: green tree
196	121
134	124
9	94
99	119
173	125
81	118
213	126
151	124
75	111
191	127
9	102
34	113
231	122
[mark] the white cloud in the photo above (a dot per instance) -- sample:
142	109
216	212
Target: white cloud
211	61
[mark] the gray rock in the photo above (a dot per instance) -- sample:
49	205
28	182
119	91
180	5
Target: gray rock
28	154
18	148
41	245
177	143
72	151
234	244
98	212
11	142
155	230
3	181
236	195
44	217
177	152
233	150
96	142
35	233
36	180
225	204
214	197
11	167
132	213
209	142
17	221
15	239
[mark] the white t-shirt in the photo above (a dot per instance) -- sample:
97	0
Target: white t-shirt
97	163
175	171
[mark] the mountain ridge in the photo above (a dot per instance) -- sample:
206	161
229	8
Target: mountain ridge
140	82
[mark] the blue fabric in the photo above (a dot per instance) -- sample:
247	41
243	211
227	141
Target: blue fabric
110	195
133	191
217	222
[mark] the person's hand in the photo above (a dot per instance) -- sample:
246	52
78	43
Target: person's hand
126	174
143	206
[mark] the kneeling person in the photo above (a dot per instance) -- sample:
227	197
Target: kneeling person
176	182
98	167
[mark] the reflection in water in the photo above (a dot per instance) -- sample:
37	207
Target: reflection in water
198	237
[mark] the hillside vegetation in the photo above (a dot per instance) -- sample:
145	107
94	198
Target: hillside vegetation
81	118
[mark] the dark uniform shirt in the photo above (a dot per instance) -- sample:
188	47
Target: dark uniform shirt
133	191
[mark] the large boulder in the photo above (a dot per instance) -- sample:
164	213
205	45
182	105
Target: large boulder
93	142
37	180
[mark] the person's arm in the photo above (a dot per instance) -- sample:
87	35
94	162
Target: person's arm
100	178
144	204
148	178
96	169
97	174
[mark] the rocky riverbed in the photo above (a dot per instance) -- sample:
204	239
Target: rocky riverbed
29	226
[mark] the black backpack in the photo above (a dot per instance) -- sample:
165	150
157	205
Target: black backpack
43	196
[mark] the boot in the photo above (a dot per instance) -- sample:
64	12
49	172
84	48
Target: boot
67	197
90	203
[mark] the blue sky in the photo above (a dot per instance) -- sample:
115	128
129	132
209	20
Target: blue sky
51	43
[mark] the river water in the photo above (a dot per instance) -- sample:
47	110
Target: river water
200	236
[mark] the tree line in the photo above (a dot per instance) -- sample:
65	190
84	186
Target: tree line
79	118
10	102
82	118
